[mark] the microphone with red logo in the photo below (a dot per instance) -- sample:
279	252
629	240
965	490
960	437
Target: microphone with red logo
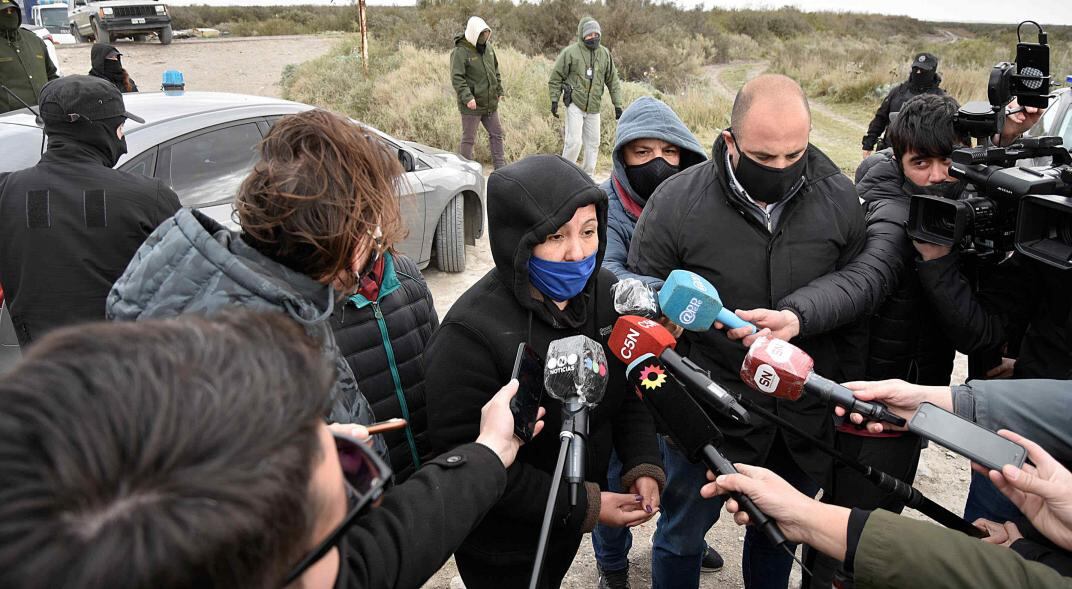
633	337
576	374
780	369
691	429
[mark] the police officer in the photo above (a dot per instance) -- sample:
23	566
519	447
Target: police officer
70	225
24	63
923	78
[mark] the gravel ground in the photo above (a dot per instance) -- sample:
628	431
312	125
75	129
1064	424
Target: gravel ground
254	66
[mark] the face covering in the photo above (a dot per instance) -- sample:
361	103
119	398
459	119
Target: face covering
561	280
592	43
112	66
646	177
920	78
948	190
9	20
764	183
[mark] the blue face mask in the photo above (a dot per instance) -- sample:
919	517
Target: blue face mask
561	280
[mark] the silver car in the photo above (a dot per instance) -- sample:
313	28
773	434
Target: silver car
203	145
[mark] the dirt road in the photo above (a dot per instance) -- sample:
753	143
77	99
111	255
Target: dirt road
254	66
251	65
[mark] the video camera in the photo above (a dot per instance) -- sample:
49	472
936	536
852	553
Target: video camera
1006	207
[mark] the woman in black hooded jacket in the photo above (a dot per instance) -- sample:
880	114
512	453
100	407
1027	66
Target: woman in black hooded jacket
547	224
107	63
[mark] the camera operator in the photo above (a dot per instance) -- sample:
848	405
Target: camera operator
885	550
192	453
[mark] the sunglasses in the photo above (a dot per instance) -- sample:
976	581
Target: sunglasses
365	476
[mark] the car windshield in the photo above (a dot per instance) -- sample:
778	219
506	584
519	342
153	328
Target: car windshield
54	19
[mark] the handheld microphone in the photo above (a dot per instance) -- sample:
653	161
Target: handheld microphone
576	374
692	302
633	337
691	430
633	297
779	368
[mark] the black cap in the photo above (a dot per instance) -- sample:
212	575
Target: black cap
925	61
73	98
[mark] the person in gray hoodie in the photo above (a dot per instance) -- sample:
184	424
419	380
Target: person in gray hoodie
650	145
316	213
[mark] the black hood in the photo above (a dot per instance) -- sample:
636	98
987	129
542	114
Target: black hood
99	53
527	201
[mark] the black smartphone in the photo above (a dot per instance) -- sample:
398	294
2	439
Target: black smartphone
975	442
528	370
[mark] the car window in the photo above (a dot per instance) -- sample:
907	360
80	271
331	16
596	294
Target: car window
142	165
207	168
1065	130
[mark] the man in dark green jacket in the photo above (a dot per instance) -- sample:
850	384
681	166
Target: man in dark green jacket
474	73
24	63
581	71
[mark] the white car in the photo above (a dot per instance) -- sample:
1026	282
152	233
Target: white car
53	17
50	44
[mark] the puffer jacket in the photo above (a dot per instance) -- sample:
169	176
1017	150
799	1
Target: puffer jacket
646	118
192	264
383	341
572	65
474	74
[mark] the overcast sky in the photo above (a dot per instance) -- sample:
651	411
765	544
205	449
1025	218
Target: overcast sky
1047	12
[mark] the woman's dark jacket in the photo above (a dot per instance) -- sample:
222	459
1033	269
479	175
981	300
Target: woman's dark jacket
383	341
471	357
697	221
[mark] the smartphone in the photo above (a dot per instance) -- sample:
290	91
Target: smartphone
387	425
979	444
528	370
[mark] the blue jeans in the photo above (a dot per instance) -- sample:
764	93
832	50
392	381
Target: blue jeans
985	500
685	518
612	544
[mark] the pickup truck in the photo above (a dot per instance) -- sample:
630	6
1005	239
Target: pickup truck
108	20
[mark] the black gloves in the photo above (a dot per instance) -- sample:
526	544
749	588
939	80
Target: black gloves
617	112
554	109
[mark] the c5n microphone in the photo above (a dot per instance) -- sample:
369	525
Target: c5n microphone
780	369
692	302
633	337
576	374
691	430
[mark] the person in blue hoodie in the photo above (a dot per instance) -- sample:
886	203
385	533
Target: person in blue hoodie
651	144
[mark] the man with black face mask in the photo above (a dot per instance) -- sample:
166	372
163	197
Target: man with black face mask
24	63
107	63
70	225
923	78
767	214
650	145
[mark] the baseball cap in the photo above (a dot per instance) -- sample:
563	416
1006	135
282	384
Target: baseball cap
925	61
12	4
73	98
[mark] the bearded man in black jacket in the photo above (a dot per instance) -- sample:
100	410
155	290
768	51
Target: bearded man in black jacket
767	214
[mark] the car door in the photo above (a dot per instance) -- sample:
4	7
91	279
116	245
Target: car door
205	168
412	203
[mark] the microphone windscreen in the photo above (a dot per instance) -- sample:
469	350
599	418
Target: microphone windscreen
576	365
689	301
776	367
633	297
675	411
633	336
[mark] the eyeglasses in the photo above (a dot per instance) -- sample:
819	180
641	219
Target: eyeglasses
365	476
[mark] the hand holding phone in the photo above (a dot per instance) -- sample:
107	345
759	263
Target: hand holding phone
970	440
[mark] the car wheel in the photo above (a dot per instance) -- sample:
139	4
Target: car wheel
450	236
103	36
165	35
78	38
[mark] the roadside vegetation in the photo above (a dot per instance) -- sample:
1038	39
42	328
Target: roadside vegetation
846	62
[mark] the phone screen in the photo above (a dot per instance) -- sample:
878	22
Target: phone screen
528	370
966	438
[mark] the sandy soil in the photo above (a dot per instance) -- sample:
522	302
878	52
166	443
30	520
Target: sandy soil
254	66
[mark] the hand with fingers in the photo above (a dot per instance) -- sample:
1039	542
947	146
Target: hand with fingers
900	397
999	534
1043	492
783	325
623	510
